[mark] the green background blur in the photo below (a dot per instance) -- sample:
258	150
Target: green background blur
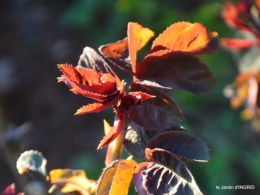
56	32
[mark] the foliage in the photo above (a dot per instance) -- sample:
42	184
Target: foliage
146	111
244	17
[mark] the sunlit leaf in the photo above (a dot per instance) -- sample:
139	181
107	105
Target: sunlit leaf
118	54
138	36
166	174
34	163
185	36
157	113
113	133
116	178
185	146
176	70
68	181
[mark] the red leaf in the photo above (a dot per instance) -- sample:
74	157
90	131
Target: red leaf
118	54
10	190
237	44
114	131
138	36
184	36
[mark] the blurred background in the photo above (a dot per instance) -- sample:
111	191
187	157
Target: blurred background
37	113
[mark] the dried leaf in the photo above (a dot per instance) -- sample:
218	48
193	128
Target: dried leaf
138	36
188	37
68	181
116	178
160	112
185	146
176	70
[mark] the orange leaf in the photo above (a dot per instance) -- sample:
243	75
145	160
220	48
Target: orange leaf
184	36
138	36
116	178
113	133
68	180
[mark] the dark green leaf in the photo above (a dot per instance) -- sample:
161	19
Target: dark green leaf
158	113
176	70
184	145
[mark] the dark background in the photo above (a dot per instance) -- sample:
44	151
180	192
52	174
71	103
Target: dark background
36	35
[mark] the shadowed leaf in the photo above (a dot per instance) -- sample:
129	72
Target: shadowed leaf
116	178
138	36
68	181
176	70
136	139
160	112
184	145
118	54
185	36
34	163
166	174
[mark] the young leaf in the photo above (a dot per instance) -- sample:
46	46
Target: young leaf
138	36
166	174
157	113
118	54
34	163
116	178
184	36
184	145
68	181
92	60
176	70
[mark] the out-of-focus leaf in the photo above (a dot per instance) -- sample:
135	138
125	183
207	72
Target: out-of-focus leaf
138	36
68	181
136	139
157	113
34	163
184	36
10	190
118	54
236	44
116	178
176	70
185	146
166	174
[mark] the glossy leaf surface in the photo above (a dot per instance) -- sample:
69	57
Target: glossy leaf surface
166	174
116	178
157	113
138	36
185	146
188	37
176	70
68	181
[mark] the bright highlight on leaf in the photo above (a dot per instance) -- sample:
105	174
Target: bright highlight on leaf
116	178
69	181
188	37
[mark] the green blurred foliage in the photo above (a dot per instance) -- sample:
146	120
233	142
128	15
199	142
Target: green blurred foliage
235	148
